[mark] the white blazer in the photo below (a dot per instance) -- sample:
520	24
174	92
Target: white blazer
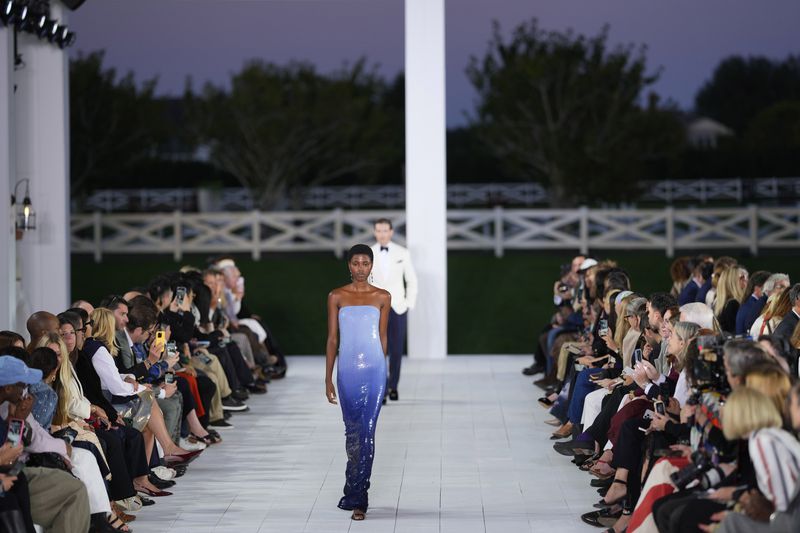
394	272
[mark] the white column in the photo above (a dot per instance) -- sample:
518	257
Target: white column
42	155
426	202
8	292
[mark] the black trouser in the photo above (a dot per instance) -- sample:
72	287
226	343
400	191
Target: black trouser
120	486
243	372
133	449
188	398
682	511
602	423
396	339
227	365
207	389
17	502
539	354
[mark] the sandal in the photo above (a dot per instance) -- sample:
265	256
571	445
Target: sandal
603	504
116	523
358	515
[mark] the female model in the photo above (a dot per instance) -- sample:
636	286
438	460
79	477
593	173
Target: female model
358	314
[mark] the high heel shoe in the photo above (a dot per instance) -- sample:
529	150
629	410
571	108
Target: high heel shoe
151	493
603	504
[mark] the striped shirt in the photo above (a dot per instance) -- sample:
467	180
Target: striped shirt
776	458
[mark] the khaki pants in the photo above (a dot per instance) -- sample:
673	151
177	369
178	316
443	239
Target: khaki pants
215	373
563	358
59	502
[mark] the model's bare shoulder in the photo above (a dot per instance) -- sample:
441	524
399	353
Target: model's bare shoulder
385	297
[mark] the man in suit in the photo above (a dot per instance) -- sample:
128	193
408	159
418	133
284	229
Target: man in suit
394	272
789	322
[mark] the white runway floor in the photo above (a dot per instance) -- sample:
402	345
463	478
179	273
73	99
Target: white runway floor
464	450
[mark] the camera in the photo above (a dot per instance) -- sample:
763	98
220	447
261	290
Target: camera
708	367
702	470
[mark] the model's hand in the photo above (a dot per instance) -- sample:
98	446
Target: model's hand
330	392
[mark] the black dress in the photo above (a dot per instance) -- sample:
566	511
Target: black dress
727	318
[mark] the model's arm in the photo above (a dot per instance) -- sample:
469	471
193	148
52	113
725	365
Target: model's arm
332	345
386	305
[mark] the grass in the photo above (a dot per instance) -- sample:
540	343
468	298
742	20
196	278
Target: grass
496	305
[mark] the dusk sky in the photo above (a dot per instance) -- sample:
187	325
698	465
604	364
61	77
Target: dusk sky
210	39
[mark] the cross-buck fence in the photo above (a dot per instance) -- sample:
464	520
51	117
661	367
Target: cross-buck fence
582	229
701	191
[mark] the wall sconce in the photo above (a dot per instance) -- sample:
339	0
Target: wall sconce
24	216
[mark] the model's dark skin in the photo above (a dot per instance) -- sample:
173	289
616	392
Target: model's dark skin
359	292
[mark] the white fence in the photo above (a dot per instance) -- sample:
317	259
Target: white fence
700	191
582	229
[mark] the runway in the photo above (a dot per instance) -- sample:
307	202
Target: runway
463	451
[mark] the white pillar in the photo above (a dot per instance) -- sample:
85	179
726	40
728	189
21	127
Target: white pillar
426	201
42	155
8	285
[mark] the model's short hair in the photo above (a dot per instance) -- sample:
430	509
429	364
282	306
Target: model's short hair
747	410
383	220
360	249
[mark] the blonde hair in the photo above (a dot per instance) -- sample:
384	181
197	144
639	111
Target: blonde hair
105	328
63	376
778	306
770	380
687	331
623	326
728	288
748	410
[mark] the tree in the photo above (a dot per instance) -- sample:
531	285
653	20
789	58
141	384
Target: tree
740	88
115	123
280	127
564	108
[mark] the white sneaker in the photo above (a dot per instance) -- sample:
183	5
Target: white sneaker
164	473
131	504
191	446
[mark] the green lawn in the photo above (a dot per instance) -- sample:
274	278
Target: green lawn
495	305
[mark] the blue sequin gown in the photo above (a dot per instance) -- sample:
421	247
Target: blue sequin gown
361	380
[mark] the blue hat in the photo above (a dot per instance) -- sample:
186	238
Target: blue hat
13	371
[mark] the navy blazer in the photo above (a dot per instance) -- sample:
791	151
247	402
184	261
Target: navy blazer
748	312
688	293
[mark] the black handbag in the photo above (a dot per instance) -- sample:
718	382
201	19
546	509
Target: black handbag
48	460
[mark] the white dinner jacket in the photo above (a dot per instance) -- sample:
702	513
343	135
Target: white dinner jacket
394	272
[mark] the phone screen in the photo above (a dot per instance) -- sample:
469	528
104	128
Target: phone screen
169	378
660	409
637	355
14	435
180	295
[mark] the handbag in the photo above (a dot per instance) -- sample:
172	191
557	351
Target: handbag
48	460
136	412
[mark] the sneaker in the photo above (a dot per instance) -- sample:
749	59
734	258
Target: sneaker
220	424
167	474
130	505
186	444
232	404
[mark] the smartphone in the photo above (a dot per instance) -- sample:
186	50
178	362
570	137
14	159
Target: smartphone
160	340
203	357
240	284
658	405
16	469
603	326
627	371
169	378
202	344
172	349
648	415
15	428
637	355
180	295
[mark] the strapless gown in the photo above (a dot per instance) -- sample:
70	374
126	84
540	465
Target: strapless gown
361	380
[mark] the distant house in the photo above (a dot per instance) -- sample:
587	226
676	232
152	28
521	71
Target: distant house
704	132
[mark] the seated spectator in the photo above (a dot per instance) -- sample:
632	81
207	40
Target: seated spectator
728	297
753	302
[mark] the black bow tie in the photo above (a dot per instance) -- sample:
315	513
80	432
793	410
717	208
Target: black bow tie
384	248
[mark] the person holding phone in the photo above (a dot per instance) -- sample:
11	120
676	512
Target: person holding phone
58	501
